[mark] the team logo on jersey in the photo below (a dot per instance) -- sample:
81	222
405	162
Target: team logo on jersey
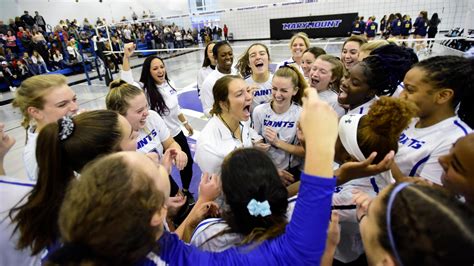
263	92
413	143
270	123
148	138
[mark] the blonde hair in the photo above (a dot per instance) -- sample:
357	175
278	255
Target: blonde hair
302	36
297	79
32	91
370	46
119	95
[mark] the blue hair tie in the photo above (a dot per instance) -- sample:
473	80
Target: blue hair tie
391	199
257	208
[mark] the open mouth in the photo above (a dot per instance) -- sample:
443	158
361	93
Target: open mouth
342	97
259	65
314	82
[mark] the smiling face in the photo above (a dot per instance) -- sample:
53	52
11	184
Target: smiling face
239	100
354	88
297	48
58	102
258	59
129	136
225	58
306	63
158	71
321	75
137	112
283	90
350	54
419	92
458	175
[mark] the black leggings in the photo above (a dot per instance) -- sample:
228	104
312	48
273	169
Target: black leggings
173	187
187	172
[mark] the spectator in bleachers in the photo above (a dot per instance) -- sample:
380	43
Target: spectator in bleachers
19	23
12	26
11	42
58	60
169	39
28	20
86	25
3	28
179	39
22	70
7	75
38	60
40	21
61	38
29	63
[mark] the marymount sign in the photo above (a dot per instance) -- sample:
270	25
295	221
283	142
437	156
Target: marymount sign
337	25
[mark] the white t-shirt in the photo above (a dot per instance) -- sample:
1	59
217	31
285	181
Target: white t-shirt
209	236
202	75
12	191
420	148
285	126
364	108
151	137
330	97
207	98
170	96
263	94
216	141
29	155
290	61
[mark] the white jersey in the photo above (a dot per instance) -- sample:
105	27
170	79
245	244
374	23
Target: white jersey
330	97
350	246
170	96
207	98
211	235
420	148
12	190
263	93
216	141
285	126
29	154
151	137
364	108
290	61
202	75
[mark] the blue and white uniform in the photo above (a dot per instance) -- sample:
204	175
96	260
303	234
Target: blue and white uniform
202	75
330	97
216	141
284	125
263	93
420	148
364	108
151	137
288	62
12	190
211	235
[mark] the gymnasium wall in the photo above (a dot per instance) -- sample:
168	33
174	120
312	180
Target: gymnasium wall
245	19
